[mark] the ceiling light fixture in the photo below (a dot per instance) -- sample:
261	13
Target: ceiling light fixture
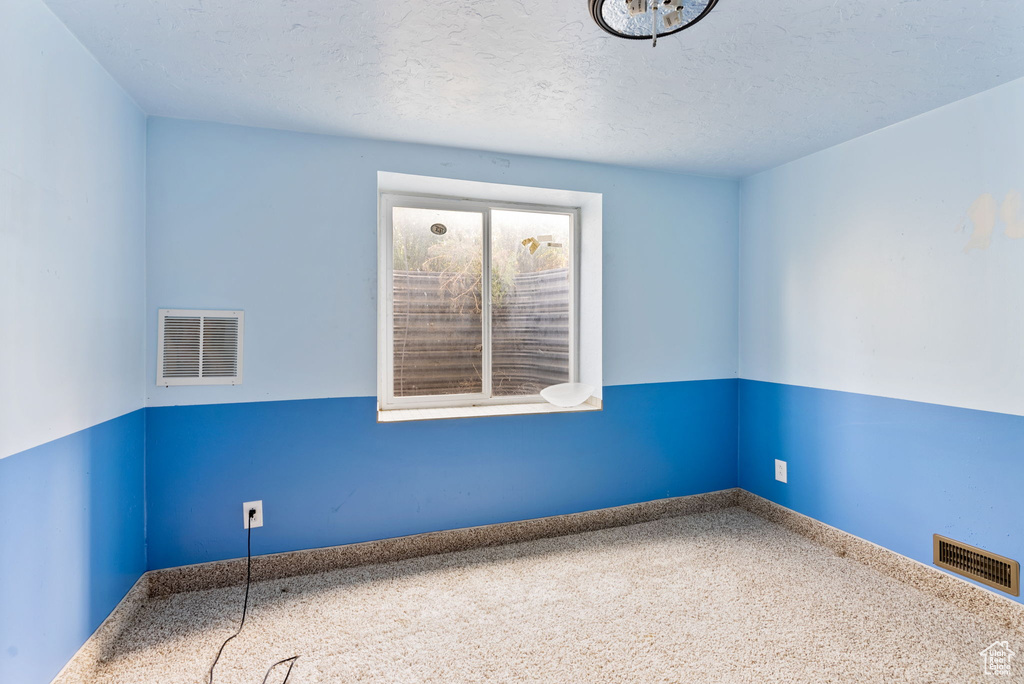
648	19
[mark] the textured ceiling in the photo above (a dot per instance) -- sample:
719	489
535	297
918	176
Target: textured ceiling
755	84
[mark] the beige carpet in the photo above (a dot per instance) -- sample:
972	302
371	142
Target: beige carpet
717	597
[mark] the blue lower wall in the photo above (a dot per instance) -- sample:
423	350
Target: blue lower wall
72	538
890	471
72	543
329	474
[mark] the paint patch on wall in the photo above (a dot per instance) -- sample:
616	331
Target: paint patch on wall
982	216
985	212
1012	215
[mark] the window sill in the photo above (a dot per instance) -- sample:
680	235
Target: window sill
402	415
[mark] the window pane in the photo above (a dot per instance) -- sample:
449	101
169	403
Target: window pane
530	291
437	302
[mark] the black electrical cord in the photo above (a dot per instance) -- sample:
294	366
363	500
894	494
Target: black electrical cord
248	580
245	608
279	662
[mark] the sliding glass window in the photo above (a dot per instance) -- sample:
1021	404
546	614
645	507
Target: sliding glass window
480	301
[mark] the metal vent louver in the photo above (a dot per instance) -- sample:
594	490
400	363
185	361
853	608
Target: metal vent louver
977	564
199	347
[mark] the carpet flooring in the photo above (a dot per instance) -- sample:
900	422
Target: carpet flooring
715	597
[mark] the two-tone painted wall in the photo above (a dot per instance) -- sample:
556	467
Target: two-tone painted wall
284	226
881	328
96	487
72	298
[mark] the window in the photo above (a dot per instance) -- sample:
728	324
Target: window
480	301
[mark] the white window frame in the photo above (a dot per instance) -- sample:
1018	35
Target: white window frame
385	333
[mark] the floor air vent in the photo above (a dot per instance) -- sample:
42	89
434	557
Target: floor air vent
977	564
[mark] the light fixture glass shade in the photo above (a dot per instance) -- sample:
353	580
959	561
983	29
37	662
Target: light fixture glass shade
633	18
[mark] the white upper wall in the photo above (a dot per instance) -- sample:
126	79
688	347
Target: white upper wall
72	213
284	226
893	264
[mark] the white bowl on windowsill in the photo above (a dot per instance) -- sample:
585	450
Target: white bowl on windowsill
567	394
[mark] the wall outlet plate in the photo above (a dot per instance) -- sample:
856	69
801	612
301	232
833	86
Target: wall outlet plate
257	520
780	471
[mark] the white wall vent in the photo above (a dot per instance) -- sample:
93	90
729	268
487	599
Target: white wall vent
199	347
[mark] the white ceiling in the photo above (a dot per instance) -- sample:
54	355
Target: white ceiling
757	83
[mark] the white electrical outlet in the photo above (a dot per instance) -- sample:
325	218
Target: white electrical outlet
780	471
257	520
